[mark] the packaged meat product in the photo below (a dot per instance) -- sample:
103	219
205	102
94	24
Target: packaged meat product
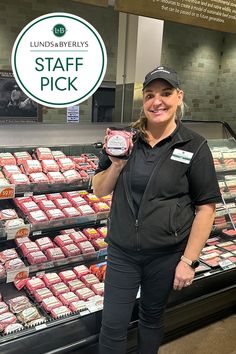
78	236
42	293
20	283
6	158
67	275
63	240
37	198
62	203
37	216
54	214
27	207
44	153
51	303
19	303
98	288
19	178
213	262
3	307
36	322
36	257
57	154
84	175
78	159
46	204
13	223
60	311
2	271
56	177
78	306
14	327
78	201
86	210
91	198
75	284
8	254
9	170
106	198
18	201
53	196
49	166
14	264
83	166
6	214
31	166
21	156
102	231
99	244
66	164
70	195
71	175
54	254
59	288
68	298
51	278
34	284
230	232
6	319
89	280
67	231
96	301
100	207
28	315
84	293
29	247
44	243
20	240
226	255
91	233
71	250
38	177
81	270
86	247
71	212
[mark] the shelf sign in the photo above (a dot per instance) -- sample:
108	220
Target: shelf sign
7	192
20	231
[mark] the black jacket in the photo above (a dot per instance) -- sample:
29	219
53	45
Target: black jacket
167	208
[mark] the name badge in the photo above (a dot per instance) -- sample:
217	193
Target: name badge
182	156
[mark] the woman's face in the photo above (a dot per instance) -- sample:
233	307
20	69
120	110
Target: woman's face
160	102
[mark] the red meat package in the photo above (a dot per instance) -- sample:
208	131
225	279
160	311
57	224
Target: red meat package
37	216
81	270
68	298
86	210
89	280
84	175
18	201
28	207
99	244
75	284
78	201
54	254
57	154
9	170
3	307
21	156
54	214
102	231
7	214
29	247
38	177
20	240
37	198
50	303
106	198
44	243
98	288
2	271
56	177
14	264
91	233
67	275
91	198
49	166
86	247
34	284
62	203
59	288
71	175
84	293
6	319
70	195
42	293
62	240
51	278
53	196
100	207
44	153
60	311
19	178
37	257
66	164
71	212
6	158
19	303
67	231
71	250
31	166
13	223
78	236
8	254
78	306
46	204
83	166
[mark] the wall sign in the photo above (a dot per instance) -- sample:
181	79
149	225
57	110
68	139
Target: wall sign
213	14
59	60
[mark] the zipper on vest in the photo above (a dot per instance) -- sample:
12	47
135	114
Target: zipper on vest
137	235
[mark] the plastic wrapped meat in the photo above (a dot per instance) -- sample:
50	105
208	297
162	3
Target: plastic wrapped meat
19	303
53	196
51	278
67	275
98	288
78	201
54	254
84	293
14	327
9	170
78	306
89	280
71	250
31	166
56	177
62	203
54	214
42	293
91	233
91	198
36	257
62	240
44	153
13	223
68	298
99	244
46	205
14	264
44	243
81	270
49	166
38	177
7	214
75	284
19	178
6	158
71	212
3	307
86	210
37	216
59	288
78	236
8	254
66	164
100	207
60	311
34	284
6	319
57	154
51	303
29	247
86	247
37	198
71	175
21	156
28	207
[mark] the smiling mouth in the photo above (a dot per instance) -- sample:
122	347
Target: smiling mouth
157	111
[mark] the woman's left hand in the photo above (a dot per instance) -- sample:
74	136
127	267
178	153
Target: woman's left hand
184	275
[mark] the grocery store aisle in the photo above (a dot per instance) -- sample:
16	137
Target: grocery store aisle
217	338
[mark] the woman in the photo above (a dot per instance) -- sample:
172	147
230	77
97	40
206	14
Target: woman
162	213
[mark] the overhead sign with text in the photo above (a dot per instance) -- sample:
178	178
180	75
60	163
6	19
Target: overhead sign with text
213	14
59	60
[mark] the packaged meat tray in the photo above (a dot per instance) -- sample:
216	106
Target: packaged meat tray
83	166
20	240
18	201
54	254
66	164
91	233
13	223
31	166
19	178
3	307
102	231
89	280
78	236
50	303
81	270
14	264
21	156
28	207
84	175
68	298
28	315
51	278
71	250
67	275
56	177
57	154
99	244
12	328
6	319
34	283
54	214
44	243
7	214
6	158
71	176
67	231
86	210
86	247
70	195
59	288
62	203
78	201
43	153
37	198
53	196
71	212
91	198
63	240
75	284
60	311
42	293
100	207
9	170
38	177
78	306
36	257
84	293
19	303
49	166
8	254
37	216
98	288
106	198
46	204
29	247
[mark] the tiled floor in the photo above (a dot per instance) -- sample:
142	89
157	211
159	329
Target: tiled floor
217	338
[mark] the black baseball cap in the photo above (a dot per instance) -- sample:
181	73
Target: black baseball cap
164	73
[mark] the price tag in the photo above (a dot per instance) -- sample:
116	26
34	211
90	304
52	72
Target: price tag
7	192
20	231
83	313
227	264
17	274
28	194
36	233
207	274
41	326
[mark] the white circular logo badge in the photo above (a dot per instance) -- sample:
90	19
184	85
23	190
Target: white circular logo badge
59	60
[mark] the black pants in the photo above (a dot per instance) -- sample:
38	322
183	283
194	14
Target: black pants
126	271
